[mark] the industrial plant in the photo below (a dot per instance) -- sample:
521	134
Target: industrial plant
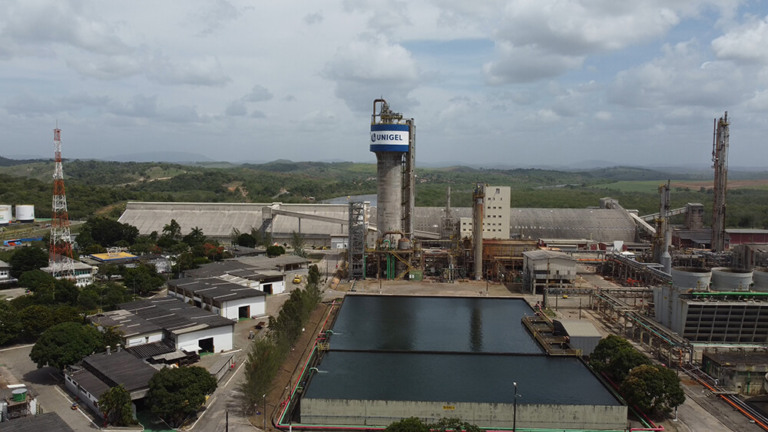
687	293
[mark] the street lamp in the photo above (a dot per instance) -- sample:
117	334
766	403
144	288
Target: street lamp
514	409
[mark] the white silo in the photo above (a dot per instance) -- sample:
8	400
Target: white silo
731	279
691	278
760	279
25	213
5	214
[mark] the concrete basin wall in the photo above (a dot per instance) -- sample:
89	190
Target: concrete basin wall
486	415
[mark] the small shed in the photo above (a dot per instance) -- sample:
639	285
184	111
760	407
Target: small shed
582	334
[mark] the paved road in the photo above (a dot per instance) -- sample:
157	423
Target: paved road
45	383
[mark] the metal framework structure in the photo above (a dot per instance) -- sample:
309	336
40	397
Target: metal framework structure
60	258
356	243
720	164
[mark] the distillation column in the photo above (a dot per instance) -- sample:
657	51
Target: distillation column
391	140
478	200
720	164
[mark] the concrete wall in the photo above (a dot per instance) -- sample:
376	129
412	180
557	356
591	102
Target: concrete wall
486	415
222	338
142	339
231	308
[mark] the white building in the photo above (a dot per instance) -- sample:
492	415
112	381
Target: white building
97	373
134	329
184	326
216	294
5	272
546	268
496	211
84	274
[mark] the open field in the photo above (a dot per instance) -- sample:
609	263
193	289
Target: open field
651	186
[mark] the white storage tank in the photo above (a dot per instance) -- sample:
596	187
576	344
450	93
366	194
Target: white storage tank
5	214
25	213
691	278
760	279
731	279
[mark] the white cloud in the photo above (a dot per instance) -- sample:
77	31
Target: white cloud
371	67
746	43
677	79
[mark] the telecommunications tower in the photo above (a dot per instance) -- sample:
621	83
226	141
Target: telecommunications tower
60	258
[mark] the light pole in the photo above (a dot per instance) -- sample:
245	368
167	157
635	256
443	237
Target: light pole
514	409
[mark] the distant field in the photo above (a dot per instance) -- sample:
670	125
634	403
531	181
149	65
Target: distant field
652	186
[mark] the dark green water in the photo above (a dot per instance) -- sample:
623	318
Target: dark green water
433	324
446	349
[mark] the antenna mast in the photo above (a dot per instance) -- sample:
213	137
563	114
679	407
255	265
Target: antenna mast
60	258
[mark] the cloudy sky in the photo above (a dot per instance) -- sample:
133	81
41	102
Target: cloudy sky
515	82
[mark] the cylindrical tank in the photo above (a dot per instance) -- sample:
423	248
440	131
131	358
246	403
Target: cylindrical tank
5	214
760	279
404	244
25	213
19	395
691	278
731	279
389	210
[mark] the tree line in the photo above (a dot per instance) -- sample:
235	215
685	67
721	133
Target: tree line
267	354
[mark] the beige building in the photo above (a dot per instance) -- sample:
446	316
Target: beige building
496	210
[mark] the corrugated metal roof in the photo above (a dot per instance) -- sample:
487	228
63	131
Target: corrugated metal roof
543	254
218	219
174	315
594	224
128	323
121	367
49	421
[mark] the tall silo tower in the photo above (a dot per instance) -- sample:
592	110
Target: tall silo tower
393	141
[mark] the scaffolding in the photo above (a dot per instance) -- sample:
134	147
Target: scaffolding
357	229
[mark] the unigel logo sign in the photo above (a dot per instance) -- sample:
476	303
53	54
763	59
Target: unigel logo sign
389	137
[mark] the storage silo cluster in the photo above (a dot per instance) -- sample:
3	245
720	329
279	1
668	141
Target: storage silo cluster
25	213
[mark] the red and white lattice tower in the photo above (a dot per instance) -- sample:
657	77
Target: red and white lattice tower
60	257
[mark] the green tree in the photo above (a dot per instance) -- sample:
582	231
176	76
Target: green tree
615	356
143	279
196	237
246	240
453	424
26	259
175	394
655	390
10	324
410	424
313	274
171	235
273	251
297	243
36	280
65	344
264	361
116	406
